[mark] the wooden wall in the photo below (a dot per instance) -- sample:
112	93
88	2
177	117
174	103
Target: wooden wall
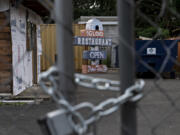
5	54
48	37
78	50
49	46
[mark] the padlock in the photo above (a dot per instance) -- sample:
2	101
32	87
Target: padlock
91	129
56	123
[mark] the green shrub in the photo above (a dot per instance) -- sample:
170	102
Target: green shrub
150	32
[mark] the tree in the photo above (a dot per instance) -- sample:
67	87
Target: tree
168	22
94	8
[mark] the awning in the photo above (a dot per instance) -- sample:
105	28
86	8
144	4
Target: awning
4	5
37	7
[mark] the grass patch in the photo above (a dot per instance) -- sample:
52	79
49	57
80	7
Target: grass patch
13	104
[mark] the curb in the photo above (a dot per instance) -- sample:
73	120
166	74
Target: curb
10	99
20	101
113	70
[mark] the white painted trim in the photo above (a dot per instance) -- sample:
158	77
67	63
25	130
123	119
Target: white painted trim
102	18
5	94
4	5
104	23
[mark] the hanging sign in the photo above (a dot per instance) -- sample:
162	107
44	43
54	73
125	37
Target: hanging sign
100	55
151	51
92	41
94	69
92	33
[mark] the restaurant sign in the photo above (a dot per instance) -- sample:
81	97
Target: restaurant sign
94	69
92	41
92	33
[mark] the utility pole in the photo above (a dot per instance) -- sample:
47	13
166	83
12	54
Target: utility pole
63	18
127	63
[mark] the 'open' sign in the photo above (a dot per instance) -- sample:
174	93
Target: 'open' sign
94	55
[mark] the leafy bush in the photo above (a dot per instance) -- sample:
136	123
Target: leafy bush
150	32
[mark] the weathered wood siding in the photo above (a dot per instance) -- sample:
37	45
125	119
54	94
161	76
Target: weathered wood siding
5	54
23	62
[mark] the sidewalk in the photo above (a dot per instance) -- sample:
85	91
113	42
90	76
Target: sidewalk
31	95
36	93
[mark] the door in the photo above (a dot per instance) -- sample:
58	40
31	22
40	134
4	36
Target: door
32	46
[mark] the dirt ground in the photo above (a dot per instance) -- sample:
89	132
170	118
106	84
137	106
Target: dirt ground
157	113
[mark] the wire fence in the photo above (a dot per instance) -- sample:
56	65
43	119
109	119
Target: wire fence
98	101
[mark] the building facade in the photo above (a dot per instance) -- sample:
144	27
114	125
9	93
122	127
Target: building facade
20	45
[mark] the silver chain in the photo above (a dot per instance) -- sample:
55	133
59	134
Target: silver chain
97	83
85	81
111	105
107	107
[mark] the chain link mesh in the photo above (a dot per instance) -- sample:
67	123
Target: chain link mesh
158	111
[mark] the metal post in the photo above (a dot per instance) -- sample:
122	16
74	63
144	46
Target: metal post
126	56
63	17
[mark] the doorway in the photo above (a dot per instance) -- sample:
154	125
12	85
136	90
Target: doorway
32	46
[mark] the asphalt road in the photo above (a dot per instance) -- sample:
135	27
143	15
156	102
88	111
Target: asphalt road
157	113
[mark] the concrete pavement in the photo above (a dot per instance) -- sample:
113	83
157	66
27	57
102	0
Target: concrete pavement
157	113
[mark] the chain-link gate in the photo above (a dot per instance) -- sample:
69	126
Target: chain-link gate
80	109
133	94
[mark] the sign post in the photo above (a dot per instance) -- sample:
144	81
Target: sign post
93	36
